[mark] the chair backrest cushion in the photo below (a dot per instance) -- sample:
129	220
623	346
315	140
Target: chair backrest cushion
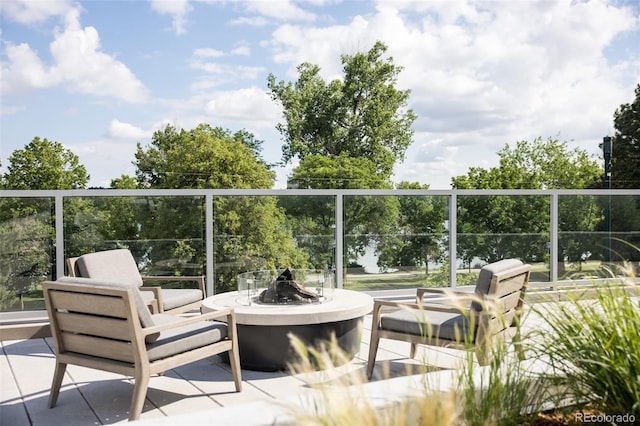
146	320
111	265
486	274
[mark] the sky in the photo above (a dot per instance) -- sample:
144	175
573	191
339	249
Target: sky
101	76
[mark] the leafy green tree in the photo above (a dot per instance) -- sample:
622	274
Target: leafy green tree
28	223
44	164
495	227
362	115
625	156
25	256
347	133
420	237
250	232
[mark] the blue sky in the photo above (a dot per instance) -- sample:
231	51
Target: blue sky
100	76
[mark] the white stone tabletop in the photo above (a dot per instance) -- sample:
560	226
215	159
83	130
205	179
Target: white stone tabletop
339	306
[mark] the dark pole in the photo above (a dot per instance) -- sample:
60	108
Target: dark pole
607	148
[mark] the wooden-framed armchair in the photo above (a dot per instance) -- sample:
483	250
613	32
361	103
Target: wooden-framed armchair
119	265
456	319
107	326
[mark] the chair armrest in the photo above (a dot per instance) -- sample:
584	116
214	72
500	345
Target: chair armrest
156	303
209	316
197	279
420	292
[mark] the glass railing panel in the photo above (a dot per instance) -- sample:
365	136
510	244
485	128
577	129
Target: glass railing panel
598	236
273	233
166	235
395	242
27	251
495	227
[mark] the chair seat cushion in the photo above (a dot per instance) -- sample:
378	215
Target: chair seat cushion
176	297
430	324
182	339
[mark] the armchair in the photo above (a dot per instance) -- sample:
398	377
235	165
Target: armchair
456	319
107	326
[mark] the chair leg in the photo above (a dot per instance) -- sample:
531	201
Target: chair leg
234	361
139	393
58	375
373	350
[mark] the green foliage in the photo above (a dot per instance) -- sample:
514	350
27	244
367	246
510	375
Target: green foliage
594	349
205	157
362	115
44	164
500	393
535	165
420	231
496	227
625	156
25	251
250	232
440	277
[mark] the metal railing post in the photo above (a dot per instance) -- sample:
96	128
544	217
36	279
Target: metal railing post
59	207
209	262
553	262
453	239
339	241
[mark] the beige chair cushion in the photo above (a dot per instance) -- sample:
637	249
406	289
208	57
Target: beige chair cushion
179	340
430	324
144	315
112	265
176	297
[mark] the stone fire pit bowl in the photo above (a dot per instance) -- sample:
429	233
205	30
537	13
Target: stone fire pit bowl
263	329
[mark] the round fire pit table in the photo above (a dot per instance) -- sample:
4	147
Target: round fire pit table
263	328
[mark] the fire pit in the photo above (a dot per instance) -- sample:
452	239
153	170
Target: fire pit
264	327
289	287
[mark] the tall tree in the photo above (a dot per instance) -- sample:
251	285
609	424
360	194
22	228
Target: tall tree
249	232
495	227
625	156
362	115
45	164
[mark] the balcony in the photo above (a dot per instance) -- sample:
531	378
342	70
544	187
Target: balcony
185	232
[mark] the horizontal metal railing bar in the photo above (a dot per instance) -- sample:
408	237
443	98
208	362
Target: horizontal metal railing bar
291	192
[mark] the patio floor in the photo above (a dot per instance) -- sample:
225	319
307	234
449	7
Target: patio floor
198	393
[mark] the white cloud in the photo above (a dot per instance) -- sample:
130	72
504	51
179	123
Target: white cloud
283	10
251	105
104	160
120	130
77	64
242	50
208	53
34	12
23	70
177	9
218	73
252	21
